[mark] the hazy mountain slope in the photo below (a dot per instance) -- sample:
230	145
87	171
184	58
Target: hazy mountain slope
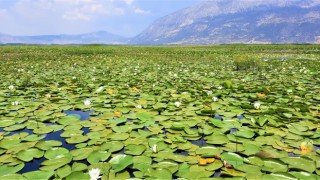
95	37
238	21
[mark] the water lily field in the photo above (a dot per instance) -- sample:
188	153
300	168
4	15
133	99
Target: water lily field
160	112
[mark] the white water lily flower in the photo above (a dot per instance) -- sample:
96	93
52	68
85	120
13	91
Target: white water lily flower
220	87
74	77
14	103
48	95
209	93
256	105
94	174
177	104
87	102
99	89
138	106
215	99
11	87
154	148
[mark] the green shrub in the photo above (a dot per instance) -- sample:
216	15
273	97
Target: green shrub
245	63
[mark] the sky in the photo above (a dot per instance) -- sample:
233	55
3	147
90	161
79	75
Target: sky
123	17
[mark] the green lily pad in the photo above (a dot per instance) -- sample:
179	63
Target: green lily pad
5	169
80	154
112	146
118	136
170	165
58	152
120	162
159	173
54	164
45	145
304	175
142	163
70	119
273	165
97	156
64	171
78	175
133	149
208	151
300	163
39	174
77	139
6	123
78	166
280	176
232	158
13	177
29	154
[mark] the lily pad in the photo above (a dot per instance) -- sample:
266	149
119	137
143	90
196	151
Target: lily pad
97	156
133	149
120	162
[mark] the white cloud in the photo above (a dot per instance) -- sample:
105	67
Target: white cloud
31	17
141	11
128	2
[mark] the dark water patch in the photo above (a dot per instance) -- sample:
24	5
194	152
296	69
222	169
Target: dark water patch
315	148
84	115
181	152
129	120
32	165
122	151
83	161
85	130
240	117
1	130
290	154
232	130
19	131
8	94
200	142
218	117
217	174
56	136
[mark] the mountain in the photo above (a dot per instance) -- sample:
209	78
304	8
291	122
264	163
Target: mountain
100	37
238	21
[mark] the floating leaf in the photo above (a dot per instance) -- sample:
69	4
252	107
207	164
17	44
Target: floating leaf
5	169
29	154
232	158
39	174
120	162
64	171
97	156
300	163
133	149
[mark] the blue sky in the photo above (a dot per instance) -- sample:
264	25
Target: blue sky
123	17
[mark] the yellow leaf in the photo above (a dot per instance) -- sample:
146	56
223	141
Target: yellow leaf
261	95
133	89
99	120
306	147
117	114
110	91
205	161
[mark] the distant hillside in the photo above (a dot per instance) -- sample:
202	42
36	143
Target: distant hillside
95	37
238	21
